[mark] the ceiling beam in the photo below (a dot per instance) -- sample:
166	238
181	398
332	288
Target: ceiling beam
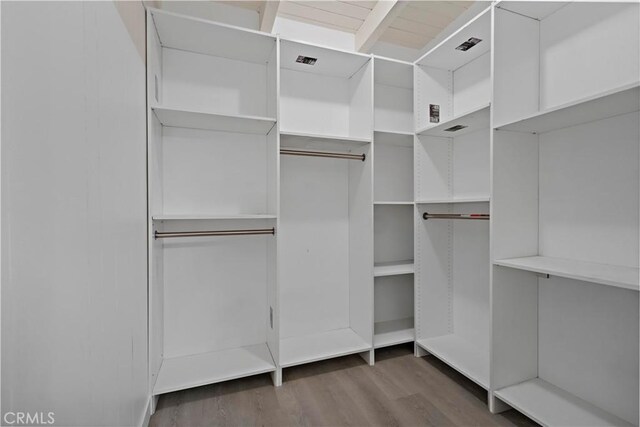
381	16
268	13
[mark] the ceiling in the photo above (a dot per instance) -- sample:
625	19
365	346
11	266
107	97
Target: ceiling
413	24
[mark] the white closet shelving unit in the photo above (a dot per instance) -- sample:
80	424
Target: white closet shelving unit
213	154
393	203
565	212
326	221
452	171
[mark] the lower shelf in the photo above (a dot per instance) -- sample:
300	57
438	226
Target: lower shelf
324	345
549	405
179	373
461	355
393	332
393	268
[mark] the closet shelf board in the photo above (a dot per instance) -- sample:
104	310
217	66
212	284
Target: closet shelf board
394	133
307	140
393	268
320	346
604	274
461	355
211	38
393	332
210	121
445	55
393	203
549	405
184	372
205	217
474	120
607	104
456	200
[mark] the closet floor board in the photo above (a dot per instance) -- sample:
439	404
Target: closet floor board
612	275
179	373
393	268
460	355
399	390
550	405
393	332
324	345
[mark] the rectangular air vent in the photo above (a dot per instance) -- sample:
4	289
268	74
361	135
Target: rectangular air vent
455	128
306	60
468	44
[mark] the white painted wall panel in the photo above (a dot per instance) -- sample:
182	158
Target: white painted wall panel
471	159
472	85
74	277
393	297
393	108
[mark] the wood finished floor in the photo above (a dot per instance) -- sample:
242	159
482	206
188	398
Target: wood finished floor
400	390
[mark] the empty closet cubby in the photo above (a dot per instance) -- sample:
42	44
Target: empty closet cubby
452	170
212	154
565	212
393	203
326	216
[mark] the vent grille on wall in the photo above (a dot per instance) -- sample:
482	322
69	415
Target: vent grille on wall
306	60
468	44
455	128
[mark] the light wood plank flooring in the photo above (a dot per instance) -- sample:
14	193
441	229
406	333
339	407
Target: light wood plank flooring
400	390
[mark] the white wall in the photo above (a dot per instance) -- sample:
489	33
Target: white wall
74	310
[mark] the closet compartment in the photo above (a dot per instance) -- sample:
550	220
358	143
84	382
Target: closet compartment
326	247
393	96
325	92
393	271
565	213
452	178
213	179
453	82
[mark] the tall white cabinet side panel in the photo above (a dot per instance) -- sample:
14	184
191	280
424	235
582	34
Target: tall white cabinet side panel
471	160
74	290
313	234
607	31
472	85
588	343
589	192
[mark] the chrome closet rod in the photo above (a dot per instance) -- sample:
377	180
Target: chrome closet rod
427	215
248	232
331	154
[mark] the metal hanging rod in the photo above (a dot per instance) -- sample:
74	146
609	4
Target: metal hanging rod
427	215
248	232
334	155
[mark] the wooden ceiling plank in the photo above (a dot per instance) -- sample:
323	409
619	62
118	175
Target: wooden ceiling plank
381	16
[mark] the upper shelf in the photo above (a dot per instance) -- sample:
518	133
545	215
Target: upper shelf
330	62
622	100
446	56
604	274
211	121
212	38
454	200
472	121
308	140
209	217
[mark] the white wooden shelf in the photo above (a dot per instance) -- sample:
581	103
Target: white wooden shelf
308	140
549	405
455	200
184	372
474	120
211	121
445	55
393	332
395	268
393	133
320	346
461	355
611	103
604	274
211	38
205	217
393	203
